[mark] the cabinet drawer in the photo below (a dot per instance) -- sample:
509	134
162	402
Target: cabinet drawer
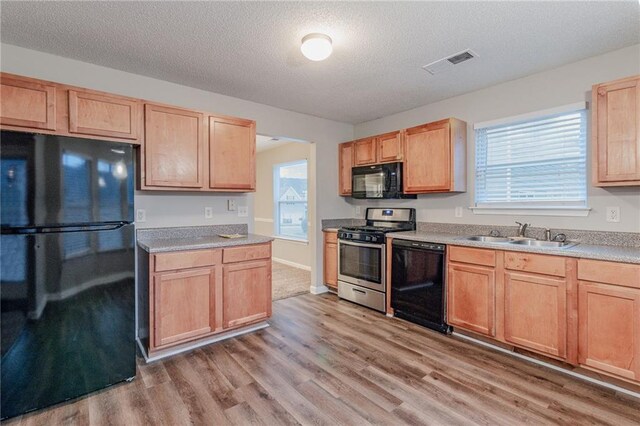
472	255
330	237
186	259
242	253
537	263
624	274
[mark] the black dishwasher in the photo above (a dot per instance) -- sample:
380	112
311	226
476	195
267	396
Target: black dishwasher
418	284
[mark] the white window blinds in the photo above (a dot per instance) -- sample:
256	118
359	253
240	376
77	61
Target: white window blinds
538	162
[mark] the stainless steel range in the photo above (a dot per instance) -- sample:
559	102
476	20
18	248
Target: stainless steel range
362	256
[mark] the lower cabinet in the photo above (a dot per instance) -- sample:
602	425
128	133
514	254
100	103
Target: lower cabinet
330	259
609	329
535	312
471	301
246	292
185	296
184	305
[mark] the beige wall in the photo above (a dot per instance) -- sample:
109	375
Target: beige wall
295	252
187	209
561	86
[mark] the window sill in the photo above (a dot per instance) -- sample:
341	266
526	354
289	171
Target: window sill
292	239
534	211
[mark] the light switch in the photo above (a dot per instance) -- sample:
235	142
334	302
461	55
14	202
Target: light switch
458	211
231	205
141	215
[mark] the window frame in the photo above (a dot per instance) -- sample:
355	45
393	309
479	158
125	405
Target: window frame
277	202
537	208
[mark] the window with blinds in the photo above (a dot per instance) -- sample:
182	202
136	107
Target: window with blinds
538	162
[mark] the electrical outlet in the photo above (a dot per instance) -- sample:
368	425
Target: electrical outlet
458	211
613	214
208	212
357	210
232	205
141	215
243	211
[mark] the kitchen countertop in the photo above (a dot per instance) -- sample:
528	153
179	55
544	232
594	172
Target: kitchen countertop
586	251
161	245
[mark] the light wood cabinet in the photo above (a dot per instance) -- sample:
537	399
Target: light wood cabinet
330	259
103	115
616	132
535	312
184	305
365	152
174	147
232	154
435	157
185	297
609	317
345	164
471	291
27	103
246	292
390	147
609	329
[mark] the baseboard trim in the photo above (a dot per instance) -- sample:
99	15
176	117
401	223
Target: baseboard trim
318	289
293	264
551	366
200	343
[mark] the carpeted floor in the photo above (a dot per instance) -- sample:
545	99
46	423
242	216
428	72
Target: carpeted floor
288	281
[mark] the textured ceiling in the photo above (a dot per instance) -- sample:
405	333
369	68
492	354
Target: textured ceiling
265	143
250	50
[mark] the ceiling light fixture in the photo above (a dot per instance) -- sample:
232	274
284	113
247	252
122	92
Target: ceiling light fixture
316	46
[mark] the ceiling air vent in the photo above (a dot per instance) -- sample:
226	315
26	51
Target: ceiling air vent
444	64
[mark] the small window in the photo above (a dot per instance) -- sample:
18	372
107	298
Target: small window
537	163
290	193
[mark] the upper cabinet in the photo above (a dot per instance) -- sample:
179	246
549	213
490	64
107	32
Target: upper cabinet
181	149
103	115
390	147
435	157
616	132
232	154
174	147
365	152
186	150
27	103
345	163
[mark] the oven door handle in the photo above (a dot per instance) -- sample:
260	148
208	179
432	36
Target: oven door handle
352	243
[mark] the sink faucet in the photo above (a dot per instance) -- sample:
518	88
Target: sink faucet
522	228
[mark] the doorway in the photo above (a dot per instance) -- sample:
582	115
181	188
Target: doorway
284	209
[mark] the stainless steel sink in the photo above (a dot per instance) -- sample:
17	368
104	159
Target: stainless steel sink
538	243
488	239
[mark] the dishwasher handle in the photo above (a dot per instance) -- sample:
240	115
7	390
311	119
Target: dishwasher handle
418	245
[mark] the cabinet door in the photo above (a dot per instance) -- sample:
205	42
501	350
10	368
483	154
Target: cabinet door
609	329
365	152
103	115
173	147
184	305
25	103
345	160
471	298
427	153
330	259
616	130
246	293
390	147
232	154
535	312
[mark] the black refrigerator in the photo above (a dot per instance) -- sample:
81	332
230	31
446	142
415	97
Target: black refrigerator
66	268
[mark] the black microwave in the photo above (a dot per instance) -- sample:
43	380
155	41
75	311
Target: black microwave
378	181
